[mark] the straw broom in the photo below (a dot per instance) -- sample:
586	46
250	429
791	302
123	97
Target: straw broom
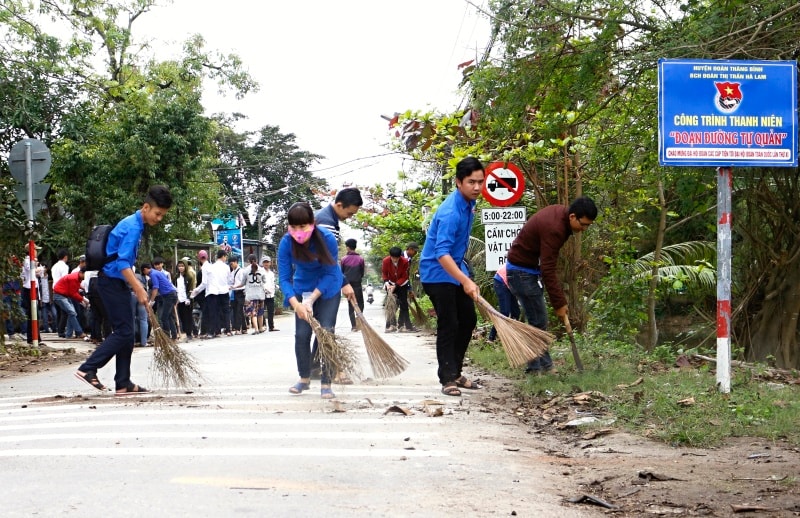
171	364
420	317
390	307
385	362
521	342
334	351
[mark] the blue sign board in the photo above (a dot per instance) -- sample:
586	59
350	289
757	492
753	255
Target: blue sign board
230	240
727	113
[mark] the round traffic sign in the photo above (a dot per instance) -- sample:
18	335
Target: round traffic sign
504	184
40	160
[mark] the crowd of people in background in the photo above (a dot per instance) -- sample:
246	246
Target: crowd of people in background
233	299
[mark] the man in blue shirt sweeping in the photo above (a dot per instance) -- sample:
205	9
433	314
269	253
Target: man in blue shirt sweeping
445	275
115	282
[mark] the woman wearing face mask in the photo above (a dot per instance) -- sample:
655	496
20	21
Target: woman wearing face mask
311	280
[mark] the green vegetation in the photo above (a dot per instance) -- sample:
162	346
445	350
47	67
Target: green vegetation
647	394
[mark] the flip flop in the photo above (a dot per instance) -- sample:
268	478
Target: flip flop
132	390
463	382
91	379
326	393
299	387
450	389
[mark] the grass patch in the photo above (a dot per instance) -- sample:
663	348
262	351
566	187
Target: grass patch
676	405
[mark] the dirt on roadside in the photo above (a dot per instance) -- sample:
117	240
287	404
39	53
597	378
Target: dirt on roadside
631	476
19	359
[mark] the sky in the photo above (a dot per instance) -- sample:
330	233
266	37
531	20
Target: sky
329	70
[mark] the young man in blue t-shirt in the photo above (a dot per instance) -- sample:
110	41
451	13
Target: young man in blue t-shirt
115	282
445	276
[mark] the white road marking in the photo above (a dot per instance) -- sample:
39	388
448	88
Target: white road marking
206	434
221	452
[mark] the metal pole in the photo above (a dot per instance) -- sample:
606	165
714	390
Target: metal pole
29	180
34	320
724	188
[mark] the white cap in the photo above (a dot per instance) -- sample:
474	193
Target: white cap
266	258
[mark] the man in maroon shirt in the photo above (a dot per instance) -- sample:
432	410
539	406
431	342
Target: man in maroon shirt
353	270
395	281
533	260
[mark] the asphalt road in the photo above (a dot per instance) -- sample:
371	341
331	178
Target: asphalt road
240	445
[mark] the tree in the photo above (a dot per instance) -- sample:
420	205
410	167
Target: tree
263	173
134	123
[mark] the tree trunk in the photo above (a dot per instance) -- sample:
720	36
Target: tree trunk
776	323
652	325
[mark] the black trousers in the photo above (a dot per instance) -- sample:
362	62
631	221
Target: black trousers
269	304
359	301
401	292
237	312
456	319
186	321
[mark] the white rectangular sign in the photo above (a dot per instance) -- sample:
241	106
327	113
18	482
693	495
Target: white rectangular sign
498	239
503	215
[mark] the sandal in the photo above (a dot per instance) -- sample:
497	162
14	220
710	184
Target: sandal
326	393
450	389
91	379
299	387
131	390
463	382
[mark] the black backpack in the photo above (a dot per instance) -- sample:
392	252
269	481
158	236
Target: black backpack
96	256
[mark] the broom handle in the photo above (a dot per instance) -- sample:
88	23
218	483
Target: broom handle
356	309
152	318
575	355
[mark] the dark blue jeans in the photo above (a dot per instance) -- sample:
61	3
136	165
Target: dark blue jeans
166	314
325	311
117	299
456	319
529	290
507	302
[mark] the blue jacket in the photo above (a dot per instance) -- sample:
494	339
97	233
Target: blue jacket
297	277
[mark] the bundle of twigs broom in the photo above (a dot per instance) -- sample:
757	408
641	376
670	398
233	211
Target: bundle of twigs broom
171	364
420	317
384	360
335	352
521	342
390	307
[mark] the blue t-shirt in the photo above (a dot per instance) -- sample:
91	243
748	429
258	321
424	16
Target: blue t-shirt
124	241
297	277
448	235
161	282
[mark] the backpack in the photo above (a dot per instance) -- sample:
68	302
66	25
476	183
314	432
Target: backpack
96	257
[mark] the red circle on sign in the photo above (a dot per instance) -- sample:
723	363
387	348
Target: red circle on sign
504	184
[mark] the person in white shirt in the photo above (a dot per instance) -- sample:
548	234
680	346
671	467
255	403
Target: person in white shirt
237	299
46	296
185	283
60	269
216	287
252	282
269	292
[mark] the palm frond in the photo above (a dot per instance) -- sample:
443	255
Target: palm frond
691	262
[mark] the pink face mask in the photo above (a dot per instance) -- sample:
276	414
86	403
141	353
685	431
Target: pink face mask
301	236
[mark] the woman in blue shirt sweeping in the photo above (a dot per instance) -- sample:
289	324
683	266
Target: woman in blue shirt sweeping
310	277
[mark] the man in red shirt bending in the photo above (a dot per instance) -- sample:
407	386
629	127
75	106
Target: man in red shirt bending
395	281
66	288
